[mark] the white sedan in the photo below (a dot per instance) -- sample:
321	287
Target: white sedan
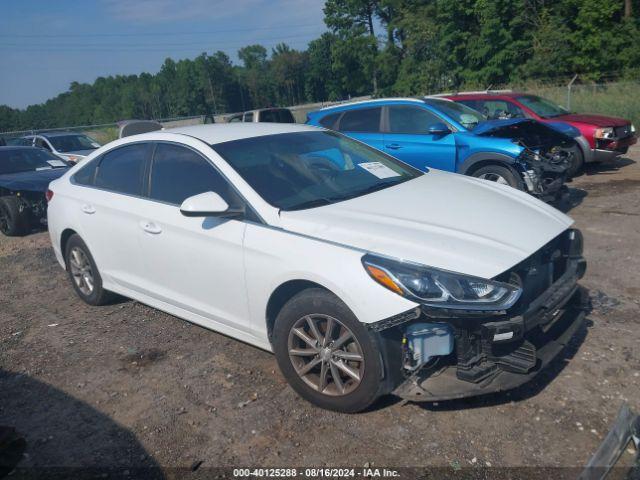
363	275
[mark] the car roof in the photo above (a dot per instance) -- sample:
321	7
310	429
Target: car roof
57	134
226	132
461	95
374	101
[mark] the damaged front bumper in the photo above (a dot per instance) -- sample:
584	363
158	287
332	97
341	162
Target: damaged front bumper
491	353
545	178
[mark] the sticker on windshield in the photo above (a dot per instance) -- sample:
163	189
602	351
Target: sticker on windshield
56	163
378	169
95	144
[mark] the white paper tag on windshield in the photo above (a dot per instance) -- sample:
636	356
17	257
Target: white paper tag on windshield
56	163
378	169
42	168
95	144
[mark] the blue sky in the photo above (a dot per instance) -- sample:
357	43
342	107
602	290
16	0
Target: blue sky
45	44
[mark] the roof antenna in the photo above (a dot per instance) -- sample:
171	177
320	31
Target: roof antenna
489	87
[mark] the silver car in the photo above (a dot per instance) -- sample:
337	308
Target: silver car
70	146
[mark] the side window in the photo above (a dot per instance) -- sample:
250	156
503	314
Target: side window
411	120
178	173
237	118
86	175
248	117
361	120
42	144
330	120
122	170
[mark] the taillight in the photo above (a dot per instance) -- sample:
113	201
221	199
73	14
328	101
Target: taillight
49	195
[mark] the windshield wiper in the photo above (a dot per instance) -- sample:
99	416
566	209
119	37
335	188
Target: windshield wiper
370	189
317	202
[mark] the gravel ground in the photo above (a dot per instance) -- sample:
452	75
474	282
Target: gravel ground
126	386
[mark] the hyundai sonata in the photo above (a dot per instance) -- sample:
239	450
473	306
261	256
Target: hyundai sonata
362	274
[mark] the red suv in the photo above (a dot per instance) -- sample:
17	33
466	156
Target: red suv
603	137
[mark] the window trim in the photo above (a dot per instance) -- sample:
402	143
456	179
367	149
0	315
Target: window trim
146	184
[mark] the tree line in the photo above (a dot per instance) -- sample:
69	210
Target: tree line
379	47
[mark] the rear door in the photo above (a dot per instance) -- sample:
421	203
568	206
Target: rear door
363	124
111	209
194	263
407	138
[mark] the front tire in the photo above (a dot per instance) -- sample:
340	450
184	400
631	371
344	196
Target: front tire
499	174
83	273
13	222
577	163
327	356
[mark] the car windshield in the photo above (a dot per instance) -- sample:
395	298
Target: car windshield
72	142
542	107
465	116
16	160
295	171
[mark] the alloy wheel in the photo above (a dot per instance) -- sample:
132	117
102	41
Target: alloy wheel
81	270
494	177
326	354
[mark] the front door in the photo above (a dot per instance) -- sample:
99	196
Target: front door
194	263
408	139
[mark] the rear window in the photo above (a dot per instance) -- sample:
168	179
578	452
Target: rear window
121	170
361	120
276	116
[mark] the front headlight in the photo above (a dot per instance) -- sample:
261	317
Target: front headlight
605	133
440	288
633	128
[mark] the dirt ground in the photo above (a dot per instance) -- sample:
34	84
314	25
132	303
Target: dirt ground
127	386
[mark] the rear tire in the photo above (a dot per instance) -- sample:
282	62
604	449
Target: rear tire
499	174
83	273
13	222
319	364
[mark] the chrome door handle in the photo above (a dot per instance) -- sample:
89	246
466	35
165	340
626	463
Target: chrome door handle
393	146
150	227
88	209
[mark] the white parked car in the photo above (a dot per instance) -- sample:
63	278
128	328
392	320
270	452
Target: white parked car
363	275
70	146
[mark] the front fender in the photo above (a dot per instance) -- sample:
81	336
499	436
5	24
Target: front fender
478	157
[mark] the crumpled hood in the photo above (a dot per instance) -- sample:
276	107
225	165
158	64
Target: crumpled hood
490	125
33	181
444	220
593	119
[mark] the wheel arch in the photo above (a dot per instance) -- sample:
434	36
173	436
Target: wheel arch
66	234
482	159
281	295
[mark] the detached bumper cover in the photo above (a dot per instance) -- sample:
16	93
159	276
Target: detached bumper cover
624	430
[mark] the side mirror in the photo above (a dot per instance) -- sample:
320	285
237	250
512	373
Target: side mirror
209	204
439	129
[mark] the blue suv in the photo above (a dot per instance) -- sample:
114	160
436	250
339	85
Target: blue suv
438	133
